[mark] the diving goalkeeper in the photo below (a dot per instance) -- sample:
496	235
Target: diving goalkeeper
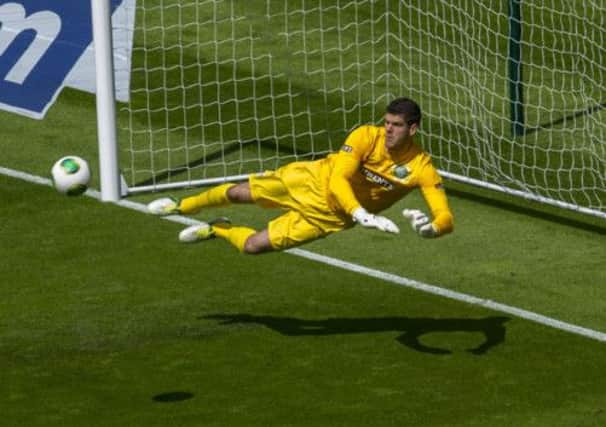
375	167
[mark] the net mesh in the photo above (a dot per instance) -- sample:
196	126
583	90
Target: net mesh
223	88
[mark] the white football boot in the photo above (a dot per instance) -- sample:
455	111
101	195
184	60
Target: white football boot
203	231
164	206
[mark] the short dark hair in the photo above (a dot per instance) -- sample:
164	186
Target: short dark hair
407	108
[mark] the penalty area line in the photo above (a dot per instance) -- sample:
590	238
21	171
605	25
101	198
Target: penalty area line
356	268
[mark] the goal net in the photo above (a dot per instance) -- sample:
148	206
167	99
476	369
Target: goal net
222	89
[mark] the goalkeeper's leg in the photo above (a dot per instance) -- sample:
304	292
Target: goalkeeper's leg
246	240
216	196
288	230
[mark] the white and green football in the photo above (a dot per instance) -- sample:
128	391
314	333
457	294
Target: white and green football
71	175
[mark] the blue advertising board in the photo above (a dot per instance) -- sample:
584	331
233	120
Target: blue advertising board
41	41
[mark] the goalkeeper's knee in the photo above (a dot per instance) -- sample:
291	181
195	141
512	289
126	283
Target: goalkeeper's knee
257	243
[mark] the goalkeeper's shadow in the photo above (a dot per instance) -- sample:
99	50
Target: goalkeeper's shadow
412	329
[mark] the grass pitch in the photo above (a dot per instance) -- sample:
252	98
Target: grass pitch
105	319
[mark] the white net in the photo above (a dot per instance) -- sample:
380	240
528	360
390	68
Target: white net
226	88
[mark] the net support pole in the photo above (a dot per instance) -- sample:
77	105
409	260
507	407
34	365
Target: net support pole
516	90
106	103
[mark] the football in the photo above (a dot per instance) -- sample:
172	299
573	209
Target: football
71	175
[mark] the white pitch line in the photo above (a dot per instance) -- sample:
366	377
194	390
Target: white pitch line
436	290
356	268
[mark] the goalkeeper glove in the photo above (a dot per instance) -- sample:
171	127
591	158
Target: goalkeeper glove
420	223
362	217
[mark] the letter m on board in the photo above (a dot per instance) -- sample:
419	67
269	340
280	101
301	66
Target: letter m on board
40	42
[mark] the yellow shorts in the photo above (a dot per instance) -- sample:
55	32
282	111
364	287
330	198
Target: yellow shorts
297	188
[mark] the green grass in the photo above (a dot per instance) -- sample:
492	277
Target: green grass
103	314
105	319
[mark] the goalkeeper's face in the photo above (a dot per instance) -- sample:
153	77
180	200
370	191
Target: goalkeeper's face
397	131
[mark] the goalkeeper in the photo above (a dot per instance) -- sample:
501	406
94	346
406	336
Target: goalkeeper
375	167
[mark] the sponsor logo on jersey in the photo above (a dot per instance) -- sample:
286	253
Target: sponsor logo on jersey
346	148
376	178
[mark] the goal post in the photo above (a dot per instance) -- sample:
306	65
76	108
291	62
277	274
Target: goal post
106	101
221	89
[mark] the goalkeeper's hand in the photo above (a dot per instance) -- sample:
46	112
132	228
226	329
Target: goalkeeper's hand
420	223
365	219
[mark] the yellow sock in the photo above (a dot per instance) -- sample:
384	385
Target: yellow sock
237	236
216	196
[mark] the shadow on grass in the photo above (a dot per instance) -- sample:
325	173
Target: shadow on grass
412	328
565	119
172	396
184	168
529	211
270	146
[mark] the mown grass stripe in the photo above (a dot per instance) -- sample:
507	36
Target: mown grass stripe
384	276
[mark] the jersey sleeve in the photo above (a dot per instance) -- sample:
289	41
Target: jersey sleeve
346	163
434	194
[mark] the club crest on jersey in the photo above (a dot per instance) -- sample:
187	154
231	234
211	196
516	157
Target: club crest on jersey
400	171
376	178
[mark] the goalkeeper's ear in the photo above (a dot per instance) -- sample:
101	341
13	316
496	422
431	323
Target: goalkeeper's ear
412	128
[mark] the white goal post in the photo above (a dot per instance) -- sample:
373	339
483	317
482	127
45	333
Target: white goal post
106	101
513	92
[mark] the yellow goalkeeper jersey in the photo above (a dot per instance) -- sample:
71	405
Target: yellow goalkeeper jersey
364	173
